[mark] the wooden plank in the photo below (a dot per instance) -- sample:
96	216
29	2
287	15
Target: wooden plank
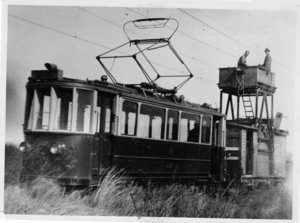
262	165
279	156
255	142
243	150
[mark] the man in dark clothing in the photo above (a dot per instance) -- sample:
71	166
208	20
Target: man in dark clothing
242	60
194	133
267	63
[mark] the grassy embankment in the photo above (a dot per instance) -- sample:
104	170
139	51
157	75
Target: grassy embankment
116	196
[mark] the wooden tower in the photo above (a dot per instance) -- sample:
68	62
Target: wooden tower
248	94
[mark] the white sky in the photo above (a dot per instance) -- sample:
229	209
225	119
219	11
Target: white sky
207	39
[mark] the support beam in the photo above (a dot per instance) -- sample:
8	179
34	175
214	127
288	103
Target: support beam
238	107
272	104
267	110
262	108
256	105
227	106
232	109
221	100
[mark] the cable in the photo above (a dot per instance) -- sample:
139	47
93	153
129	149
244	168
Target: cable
226	27
54	30
191	37
84	40
226	35
105	20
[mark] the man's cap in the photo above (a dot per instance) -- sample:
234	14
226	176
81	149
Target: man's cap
267	49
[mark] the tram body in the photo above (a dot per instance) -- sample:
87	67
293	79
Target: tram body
81	129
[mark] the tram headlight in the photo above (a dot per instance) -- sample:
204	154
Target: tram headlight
23	147
58	148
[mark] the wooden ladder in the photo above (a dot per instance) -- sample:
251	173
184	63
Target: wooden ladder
248	106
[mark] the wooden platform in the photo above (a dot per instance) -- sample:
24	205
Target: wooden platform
253	78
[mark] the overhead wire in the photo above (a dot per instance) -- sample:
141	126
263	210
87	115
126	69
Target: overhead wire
142	36
214	46
84	40
226	27
178	31
105	20
225	34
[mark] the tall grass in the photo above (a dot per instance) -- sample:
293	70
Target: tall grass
13	163
117	195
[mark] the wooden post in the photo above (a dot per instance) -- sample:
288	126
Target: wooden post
232	110
272	104
238	107
262	108
256	105
226	112
221	100
267	110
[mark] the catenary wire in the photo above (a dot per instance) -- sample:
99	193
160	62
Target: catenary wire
90	42
225	34
279	75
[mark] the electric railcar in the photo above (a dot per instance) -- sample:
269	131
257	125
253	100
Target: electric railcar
83	128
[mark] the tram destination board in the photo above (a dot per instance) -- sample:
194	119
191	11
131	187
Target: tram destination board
47	75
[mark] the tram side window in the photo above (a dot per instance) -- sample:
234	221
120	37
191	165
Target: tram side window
205	130
129	118
42	108
84	111
62	102
151	122
189	127
172	125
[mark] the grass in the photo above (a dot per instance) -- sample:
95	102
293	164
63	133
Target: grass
118	196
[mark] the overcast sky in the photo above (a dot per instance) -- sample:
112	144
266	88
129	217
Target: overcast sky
207	39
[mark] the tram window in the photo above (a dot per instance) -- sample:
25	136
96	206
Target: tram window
205	130
189	127
43	108
151	122
172	126
107	106
128	118
29	109
84	111
107	119
62	102
98	113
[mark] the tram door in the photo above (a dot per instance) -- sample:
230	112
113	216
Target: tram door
102	138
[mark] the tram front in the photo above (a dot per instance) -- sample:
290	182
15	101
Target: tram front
61	126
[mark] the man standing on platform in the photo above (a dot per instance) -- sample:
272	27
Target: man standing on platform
242	61
267	63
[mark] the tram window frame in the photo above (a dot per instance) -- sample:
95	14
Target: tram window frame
40	106
84	110
205	131
147	115
190	127
57	97
172	129
35	103
131	127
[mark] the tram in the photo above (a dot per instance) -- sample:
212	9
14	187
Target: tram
79	129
